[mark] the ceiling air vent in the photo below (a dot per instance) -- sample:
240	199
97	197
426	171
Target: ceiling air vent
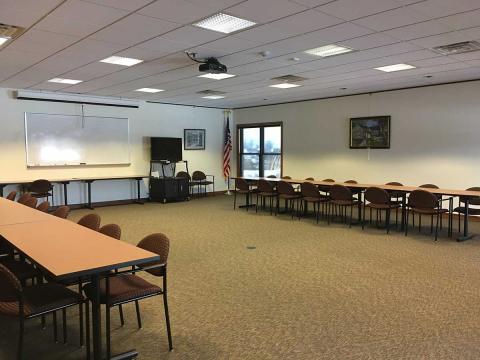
458	48
289	78
10	31
211	92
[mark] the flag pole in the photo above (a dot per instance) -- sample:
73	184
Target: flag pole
226	114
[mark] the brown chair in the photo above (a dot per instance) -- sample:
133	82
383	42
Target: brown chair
125	287
286	192
186	175
439	197
286	177
31	202
41	189
379	200
91	221
309	179
271	177
265	190
396	196
61	212
311	194
461	209
112	230
341	197
23	270
44	206
11	195
199	178
423	202
34	301
325	188
355	191
243	187
24	197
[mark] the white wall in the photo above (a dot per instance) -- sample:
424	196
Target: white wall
435	136
148	121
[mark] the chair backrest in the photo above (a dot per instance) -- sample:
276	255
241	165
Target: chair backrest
24	197
241	184
271	177
286	188
310	179
471	200
328	180
31	202
91	221
340	192
351	182
422	199
428	186
183	174
394	183
11	195
159	244
310	190
40	186
61	211
198	175
10	286
264	186
112	230
44	206
375	195
287	177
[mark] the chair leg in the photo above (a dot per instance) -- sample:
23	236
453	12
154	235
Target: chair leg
406	221
87	325
167	316
387	219
55	330
234	199
20	338
351	216
120	311
139	318
256	205
108	330
436	227
64	324
80	312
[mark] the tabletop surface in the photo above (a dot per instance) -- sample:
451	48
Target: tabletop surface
451	192
64	248
119	177
12	212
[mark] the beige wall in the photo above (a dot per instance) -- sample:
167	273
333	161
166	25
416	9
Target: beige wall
147	121
435	136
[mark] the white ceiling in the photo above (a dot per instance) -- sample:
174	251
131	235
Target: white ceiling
68	38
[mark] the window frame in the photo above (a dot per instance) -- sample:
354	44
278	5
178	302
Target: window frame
261	153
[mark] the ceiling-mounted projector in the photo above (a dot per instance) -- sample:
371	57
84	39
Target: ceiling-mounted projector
209	65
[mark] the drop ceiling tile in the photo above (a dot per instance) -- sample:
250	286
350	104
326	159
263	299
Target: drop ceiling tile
134	29
191	36
262	11
305	22
311	3
350	9
179	11
475	55
129	5
138	52
439	60
442	39
230	44
256	67
391	19
76	27
264	34
423	29
463	20
370	41
439	8
42	42
90	71
95	14
26	12
218	4
414	55
91	50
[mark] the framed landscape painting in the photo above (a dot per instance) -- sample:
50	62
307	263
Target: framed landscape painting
194	139
372	132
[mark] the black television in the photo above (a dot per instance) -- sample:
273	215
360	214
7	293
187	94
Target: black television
166	148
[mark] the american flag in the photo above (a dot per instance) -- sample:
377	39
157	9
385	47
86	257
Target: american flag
227	150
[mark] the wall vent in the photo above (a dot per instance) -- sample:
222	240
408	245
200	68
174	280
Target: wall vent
458	48
289	78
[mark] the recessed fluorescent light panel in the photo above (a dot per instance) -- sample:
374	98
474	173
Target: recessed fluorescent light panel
118	60
285	86
224	23
216	76
150	90
3	40
396	67
329	50
213	97
65	81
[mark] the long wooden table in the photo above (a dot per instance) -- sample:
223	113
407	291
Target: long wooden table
87	180
405	189
66	250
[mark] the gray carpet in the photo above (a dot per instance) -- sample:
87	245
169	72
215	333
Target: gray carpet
306	291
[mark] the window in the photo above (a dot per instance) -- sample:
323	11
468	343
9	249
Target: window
260	150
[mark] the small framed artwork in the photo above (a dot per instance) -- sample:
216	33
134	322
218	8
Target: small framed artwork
371	132
194	139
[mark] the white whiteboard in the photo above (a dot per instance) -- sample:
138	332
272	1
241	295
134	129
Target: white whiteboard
60	140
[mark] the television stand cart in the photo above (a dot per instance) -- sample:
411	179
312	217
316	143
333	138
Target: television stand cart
168	188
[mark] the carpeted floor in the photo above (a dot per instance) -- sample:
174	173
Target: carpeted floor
306	291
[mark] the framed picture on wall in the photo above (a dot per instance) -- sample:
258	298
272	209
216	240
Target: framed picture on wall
372	132
194	139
